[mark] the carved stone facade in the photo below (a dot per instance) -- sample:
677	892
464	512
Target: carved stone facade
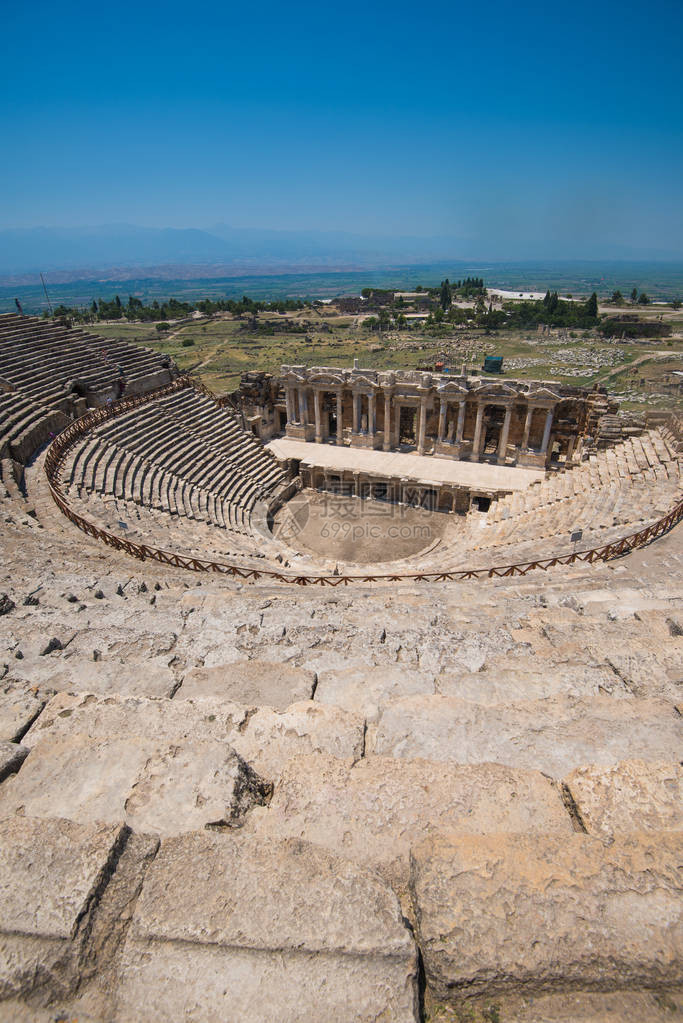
469	418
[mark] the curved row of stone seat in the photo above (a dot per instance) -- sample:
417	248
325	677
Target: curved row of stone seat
41	358
180	534
25	425
181	456
633	483
174	426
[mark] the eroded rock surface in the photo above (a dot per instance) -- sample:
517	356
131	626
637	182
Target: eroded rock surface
631	795
508	913
250	682
552	736
51	874
232	927
374	810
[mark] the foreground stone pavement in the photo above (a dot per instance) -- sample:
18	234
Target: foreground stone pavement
224	800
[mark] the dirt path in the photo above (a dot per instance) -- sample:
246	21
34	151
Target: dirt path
636	362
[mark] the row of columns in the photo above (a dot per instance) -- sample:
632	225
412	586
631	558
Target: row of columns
298	412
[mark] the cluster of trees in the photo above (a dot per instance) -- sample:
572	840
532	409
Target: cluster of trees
552	311
470	287
636	299
172	309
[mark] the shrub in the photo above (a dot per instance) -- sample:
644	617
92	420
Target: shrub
187	342
161	327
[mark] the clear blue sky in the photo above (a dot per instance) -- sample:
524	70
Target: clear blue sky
558	124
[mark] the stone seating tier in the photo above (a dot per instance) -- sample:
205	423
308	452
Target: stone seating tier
40	359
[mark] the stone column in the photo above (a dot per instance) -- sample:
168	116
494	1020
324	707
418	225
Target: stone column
318	417
356	483
571	444
453	501
356	413
288	398
461	422
442	420
340	419
504	434
527	427
422	429
387	443
546	432
476	443
371	414
303	400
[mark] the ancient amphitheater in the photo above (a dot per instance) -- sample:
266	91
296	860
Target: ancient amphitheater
352	697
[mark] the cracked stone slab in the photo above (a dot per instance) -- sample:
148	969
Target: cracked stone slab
532	913
51	876
154	786
375	809
12	756
632	795
535	679
228	926
264	737
270	738
366	690
553	735
20	704
110	717
254	683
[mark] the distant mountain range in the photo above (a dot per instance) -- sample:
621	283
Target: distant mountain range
114	250
26	250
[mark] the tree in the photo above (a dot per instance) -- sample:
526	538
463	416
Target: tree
592	307
617	298
643	299
676	303
634	295
446	295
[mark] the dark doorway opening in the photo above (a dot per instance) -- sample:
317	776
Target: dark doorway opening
407	426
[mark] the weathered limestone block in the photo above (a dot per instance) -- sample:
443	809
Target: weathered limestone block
366	691
374	810
535	680
255	683
630	796
155	787
552	736
265	737
525	913
230	927
150	678
51	876
12	756
270	739
108	717
20	703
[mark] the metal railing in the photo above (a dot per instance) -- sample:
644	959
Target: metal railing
60	447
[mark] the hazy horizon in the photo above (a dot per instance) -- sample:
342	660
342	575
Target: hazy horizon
530	133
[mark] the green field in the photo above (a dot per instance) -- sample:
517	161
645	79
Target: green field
220	349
